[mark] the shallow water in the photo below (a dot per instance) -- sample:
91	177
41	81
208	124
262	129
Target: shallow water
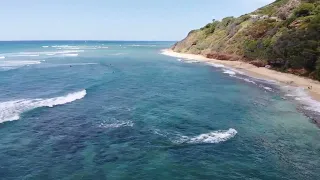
121	110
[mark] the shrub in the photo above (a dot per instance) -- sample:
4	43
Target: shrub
226	21
305	9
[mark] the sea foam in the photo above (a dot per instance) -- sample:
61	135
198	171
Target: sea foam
11	110
301	95
207	138
216	65
228	71
2	57
25	55
212	137
16	64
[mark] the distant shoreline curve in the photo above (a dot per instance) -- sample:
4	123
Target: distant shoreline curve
259	72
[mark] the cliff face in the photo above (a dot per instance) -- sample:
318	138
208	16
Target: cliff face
284	34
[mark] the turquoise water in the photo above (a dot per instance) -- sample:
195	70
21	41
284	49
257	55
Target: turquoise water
122	110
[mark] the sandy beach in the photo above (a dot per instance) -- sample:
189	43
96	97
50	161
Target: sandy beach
261	72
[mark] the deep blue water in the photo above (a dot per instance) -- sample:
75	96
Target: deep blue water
121	110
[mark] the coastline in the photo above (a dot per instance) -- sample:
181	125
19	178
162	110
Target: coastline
264	73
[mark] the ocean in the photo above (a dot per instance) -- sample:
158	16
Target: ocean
122	110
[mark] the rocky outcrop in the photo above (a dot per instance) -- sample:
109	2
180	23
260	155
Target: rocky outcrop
259	63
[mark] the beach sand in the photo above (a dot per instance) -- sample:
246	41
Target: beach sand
264	73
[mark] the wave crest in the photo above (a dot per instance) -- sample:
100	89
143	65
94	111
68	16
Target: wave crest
302	96
212	137
207	138
230	72
11	110
7	65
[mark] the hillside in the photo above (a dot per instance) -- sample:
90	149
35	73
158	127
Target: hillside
284	34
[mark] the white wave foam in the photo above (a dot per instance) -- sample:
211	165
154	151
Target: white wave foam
190	61
253	82
2	57
48	53
245	79
11	110
45	46
116	124
17	63
228	71
62	46
25	55
69	51
301	95
267	88
65	52
249	81
217	65
212	137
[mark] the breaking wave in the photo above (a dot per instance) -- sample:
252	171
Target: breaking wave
2	57
25	55
207	138
7	65
267	88
216	65
190	61
212	137
228	71
36	54
303	98
11	110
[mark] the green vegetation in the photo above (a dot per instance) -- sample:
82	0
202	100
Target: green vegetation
285	34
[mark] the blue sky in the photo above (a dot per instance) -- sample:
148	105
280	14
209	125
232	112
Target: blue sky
113	19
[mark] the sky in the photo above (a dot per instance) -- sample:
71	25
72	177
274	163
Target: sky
113	19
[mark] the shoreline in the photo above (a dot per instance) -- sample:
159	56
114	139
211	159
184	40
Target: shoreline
258	72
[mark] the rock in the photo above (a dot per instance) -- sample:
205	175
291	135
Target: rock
258	63
296	24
